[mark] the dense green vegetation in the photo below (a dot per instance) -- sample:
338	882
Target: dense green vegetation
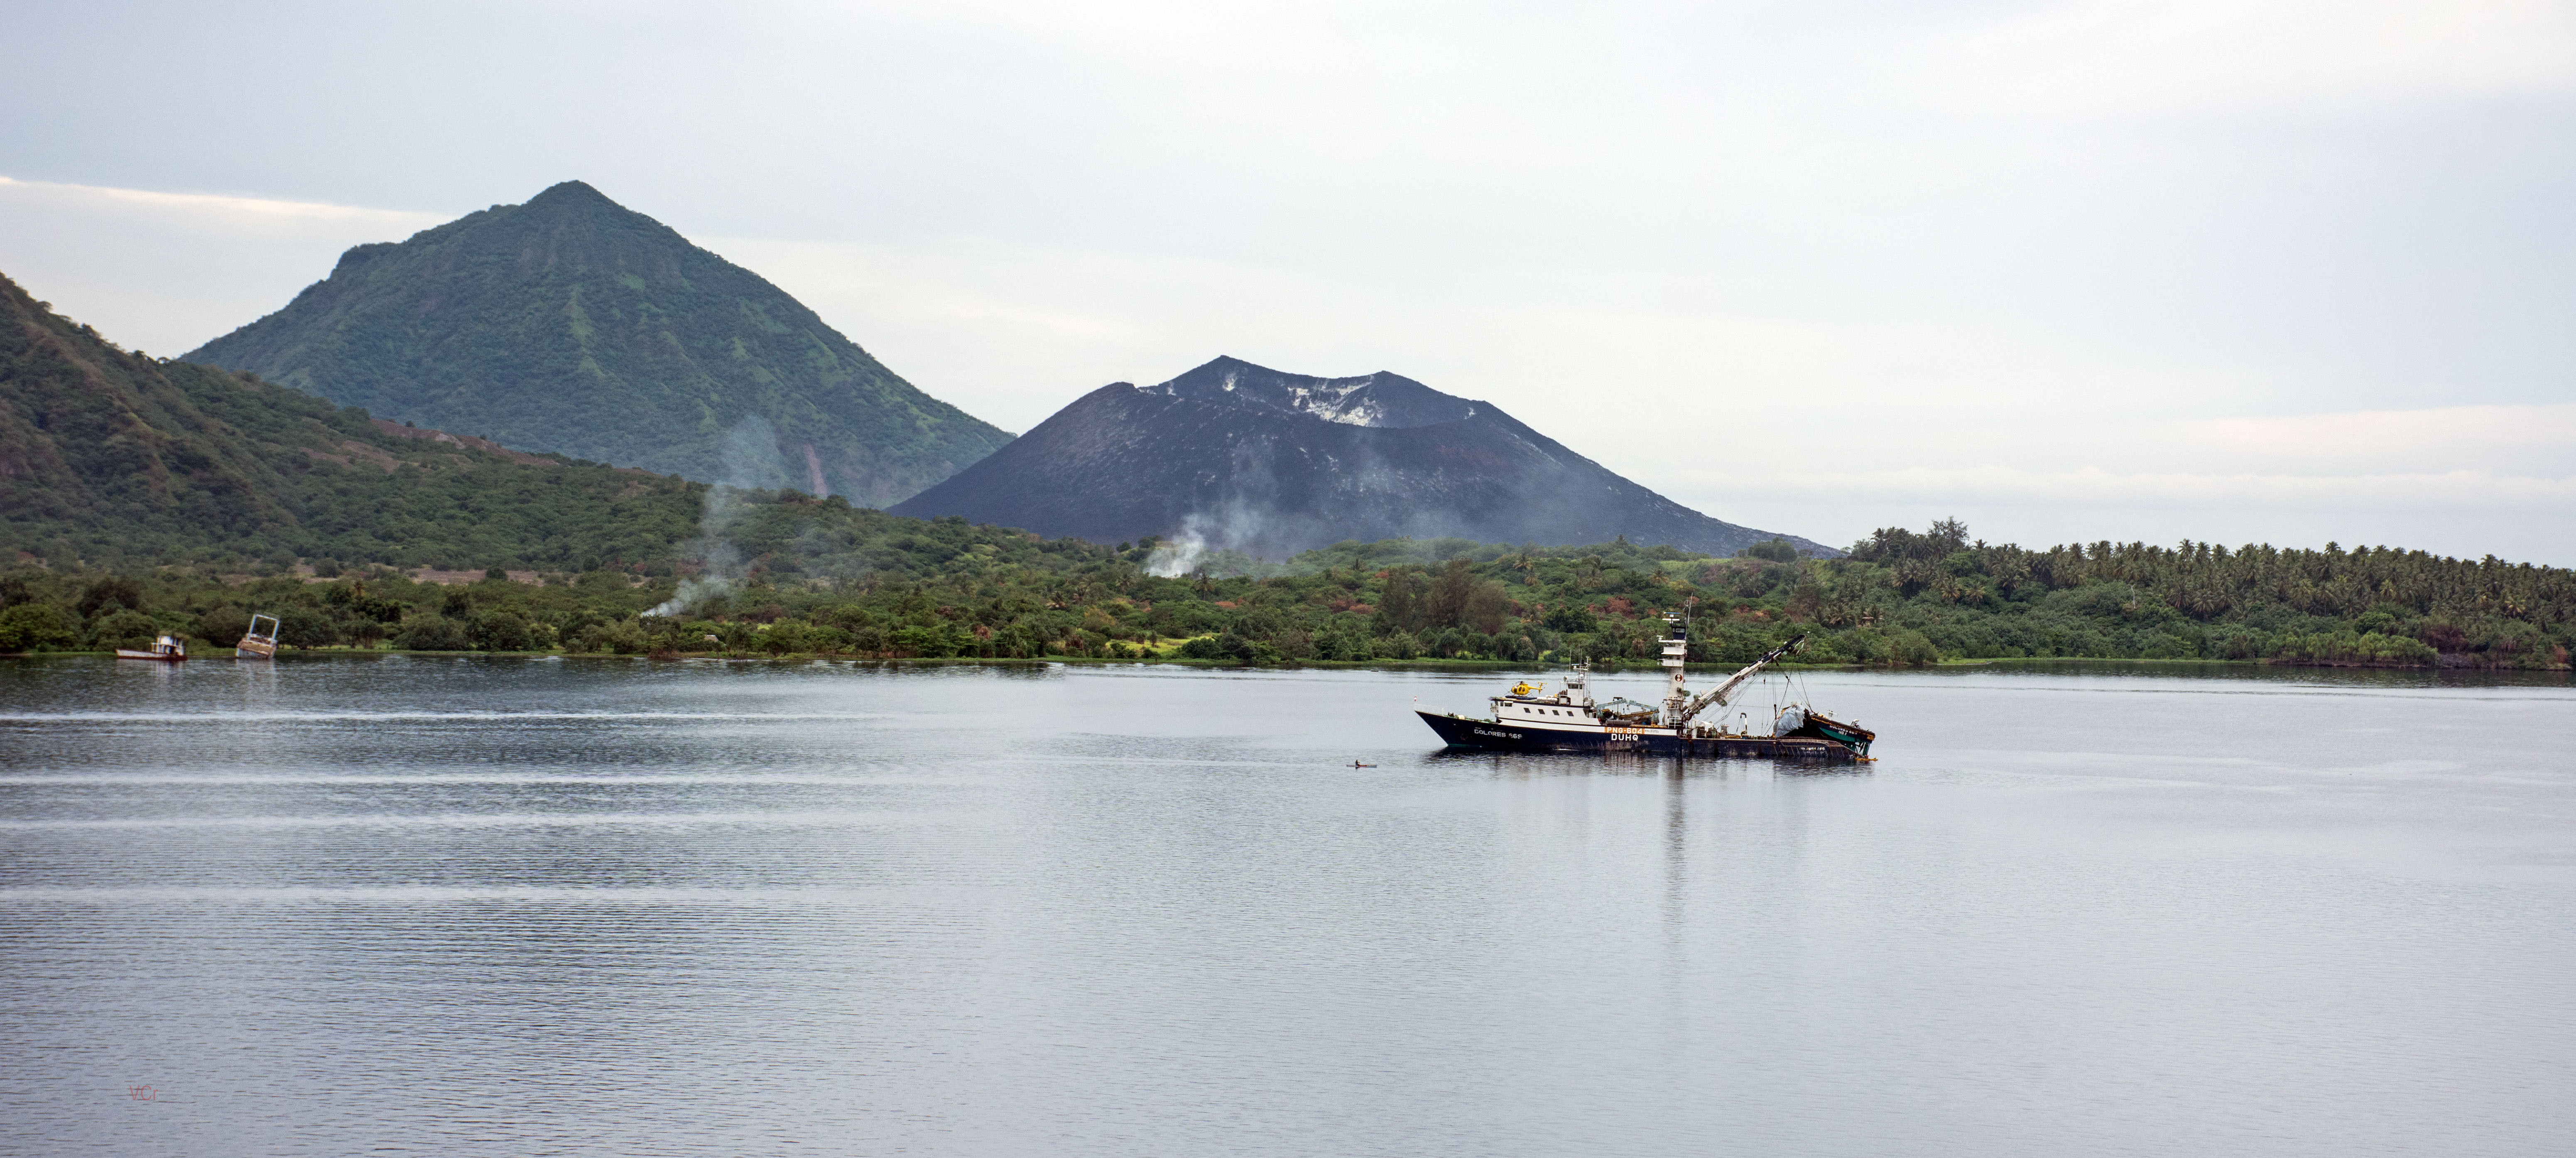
572	324
111	459
821	577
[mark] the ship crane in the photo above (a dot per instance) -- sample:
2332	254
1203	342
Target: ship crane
1716	696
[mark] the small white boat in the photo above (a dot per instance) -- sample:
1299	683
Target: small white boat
258	644
166	649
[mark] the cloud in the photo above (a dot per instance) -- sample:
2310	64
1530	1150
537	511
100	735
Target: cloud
2093	487
2466	512
2442	434
2204	267
2129	57
166	271
219	212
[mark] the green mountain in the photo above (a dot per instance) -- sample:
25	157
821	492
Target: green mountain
571	324
111	458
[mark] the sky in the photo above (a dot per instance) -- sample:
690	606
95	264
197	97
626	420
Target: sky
2282	271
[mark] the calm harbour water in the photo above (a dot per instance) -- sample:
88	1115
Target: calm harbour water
467	907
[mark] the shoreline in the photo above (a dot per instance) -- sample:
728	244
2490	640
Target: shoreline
1452	665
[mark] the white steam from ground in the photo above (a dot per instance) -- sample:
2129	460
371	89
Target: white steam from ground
750	456
1248	521
1201	535
1348	492
1243	517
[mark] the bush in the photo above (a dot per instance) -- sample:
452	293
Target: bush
1202	647
782	638
123	628
1907	647
2165	645
625	637
2349	649
1348	646
108	594
926	642
499	631
433	633
36	626
223	625
306	627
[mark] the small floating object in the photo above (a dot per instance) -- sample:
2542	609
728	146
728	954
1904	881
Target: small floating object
257	644
1357	764
166	649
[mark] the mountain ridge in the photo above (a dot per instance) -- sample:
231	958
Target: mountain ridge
572	324
1243	456
112	456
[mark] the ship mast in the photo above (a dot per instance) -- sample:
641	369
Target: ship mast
1717	695
1676	653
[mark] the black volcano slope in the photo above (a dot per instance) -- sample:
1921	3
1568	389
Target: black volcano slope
1277	463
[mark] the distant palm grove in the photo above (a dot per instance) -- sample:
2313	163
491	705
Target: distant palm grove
820	577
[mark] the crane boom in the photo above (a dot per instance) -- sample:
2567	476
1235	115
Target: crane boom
1717	695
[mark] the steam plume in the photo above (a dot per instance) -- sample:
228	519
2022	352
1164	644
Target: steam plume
750	456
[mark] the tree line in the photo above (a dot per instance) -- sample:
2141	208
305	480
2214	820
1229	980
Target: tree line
820	577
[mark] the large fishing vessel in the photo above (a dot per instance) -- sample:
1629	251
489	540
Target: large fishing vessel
1529	717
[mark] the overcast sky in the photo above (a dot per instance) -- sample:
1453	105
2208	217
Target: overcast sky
2246	271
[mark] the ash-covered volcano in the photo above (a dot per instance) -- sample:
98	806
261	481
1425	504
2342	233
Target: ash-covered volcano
1241	456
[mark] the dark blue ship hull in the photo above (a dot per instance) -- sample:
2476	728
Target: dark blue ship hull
1460	732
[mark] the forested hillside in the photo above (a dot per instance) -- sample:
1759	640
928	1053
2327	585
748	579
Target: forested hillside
573	324
112	459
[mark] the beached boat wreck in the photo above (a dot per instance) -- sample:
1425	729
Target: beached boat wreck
1568	719
257	643
165	649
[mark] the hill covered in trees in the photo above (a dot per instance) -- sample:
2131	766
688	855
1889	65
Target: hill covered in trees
572	324
110	459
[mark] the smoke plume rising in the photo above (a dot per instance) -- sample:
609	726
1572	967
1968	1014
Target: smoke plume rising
750	455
